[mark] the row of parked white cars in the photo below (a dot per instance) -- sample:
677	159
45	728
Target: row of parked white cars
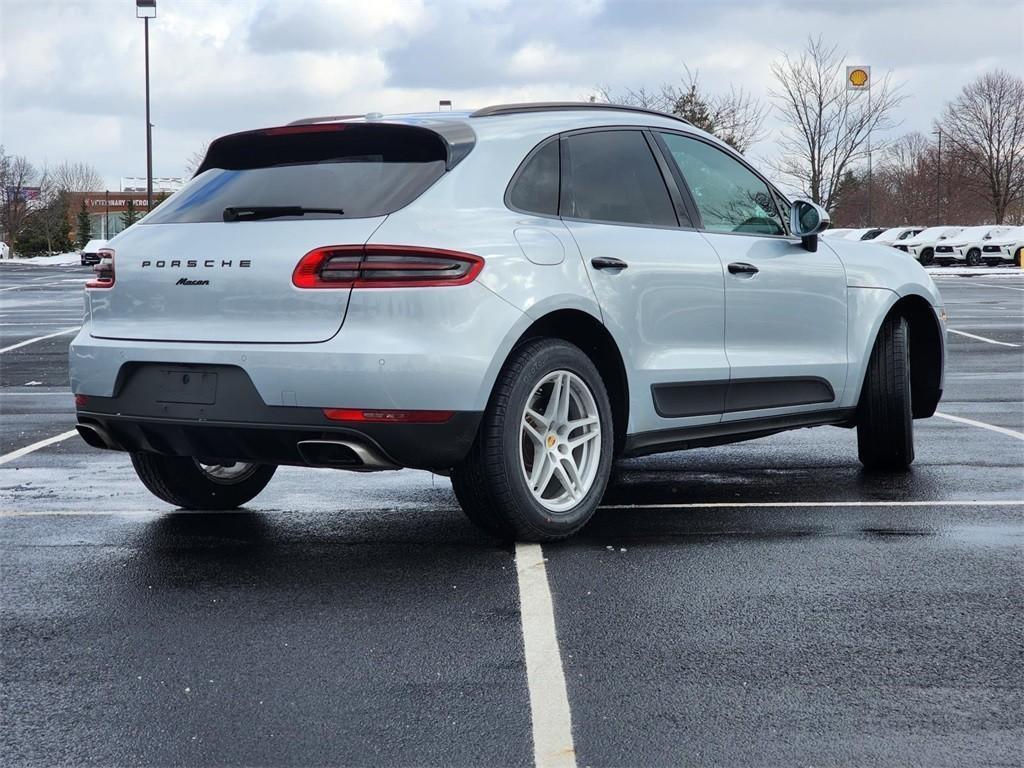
987	244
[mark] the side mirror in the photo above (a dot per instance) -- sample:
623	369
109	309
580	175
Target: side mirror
807	220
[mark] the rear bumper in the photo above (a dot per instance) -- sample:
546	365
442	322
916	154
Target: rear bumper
239	426
430	349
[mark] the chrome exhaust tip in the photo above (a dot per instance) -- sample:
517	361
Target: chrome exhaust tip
96	436
344	454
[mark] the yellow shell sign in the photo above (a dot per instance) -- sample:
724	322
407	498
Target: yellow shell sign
858	77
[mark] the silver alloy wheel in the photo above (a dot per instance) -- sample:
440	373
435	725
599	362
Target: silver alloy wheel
560	441
227	474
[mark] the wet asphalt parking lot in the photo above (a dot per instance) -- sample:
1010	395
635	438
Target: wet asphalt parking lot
766	603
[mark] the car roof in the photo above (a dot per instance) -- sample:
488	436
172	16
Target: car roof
978	228
535	118
897	229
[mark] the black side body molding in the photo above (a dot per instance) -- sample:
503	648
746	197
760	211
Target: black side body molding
705	398
684	438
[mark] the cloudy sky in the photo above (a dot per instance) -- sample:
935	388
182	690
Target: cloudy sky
71	73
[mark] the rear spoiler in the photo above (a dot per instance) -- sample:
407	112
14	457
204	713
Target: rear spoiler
239	151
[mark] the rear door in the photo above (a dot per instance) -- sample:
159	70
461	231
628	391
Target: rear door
215	261
659	283
785	318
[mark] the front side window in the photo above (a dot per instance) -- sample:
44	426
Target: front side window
729	196
611	176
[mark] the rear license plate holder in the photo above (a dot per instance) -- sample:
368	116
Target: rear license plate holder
185	386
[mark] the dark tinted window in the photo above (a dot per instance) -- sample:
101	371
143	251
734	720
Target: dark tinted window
536	187
729	196
366	170
612	176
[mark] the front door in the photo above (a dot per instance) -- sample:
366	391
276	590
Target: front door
785	319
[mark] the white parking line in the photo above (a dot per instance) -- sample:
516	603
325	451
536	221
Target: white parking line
36	446
983	425
8	393
981	338
1007	287
12	288
779	504
549	701
38	338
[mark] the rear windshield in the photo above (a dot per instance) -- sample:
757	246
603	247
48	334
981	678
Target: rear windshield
362	170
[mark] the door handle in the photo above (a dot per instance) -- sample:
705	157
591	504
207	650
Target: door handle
600	262
742	268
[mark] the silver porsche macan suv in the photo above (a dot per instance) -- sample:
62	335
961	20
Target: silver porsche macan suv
514	297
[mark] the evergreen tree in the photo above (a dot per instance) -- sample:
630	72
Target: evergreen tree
130	215
691	106
84	226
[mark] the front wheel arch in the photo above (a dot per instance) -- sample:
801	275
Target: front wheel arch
926	352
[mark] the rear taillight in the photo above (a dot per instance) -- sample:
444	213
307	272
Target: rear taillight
384	266
104	270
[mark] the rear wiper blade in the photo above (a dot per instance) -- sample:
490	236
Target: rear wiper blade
257	212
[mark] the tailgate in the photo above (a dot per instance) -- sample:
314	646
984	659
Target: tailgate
222	282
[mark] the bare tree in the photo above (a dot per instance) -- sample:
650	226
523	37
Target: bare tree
907	174
985	124
736	117
16	174
50	213
76	177
196	159
51	210
827	126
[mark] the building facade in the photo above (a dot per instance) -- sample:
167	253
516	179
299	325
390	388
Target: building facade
107	210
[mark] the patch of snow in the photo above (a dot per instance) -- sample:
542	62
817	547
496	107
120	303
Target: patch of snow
71	257
1008	270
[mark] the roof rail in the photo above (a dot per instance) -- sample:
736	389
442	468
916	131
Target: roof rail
324	119
563	106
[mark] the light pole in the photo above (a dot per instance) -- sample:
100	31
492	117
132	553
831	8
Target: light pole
938	178
146	10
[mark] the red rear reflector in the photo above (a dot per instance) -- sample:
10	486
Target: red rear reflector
384	266
402	417
104	270
81	401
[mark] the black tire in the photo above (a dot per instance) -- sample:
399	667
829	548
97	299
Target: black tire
490	483
885	423
973	257
927	257
1017	256
179	480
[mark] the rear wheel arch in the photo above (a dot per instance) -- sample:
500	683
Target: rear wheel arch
590	335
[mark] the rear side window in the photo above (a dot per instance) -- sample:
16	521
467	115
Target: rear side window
729	196
535	188
363	170
613	177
